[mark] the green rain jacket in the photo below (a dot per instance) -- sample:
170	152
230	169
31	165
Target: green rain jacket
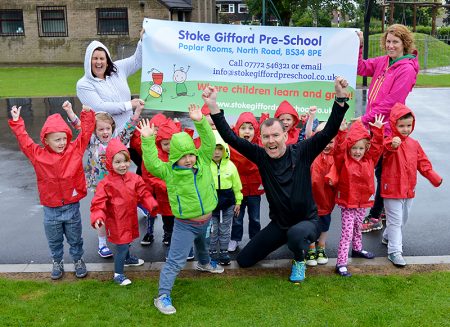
191	191
225	173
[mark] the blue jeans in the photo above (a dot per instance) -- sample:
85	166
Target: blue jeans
121	253
185	232
221	228
252	202
60	221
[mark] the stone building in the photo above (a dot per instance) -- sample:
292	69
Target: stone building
57	32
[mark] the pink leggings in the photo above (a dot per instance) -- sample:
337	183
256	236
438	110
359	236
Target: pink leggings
352	219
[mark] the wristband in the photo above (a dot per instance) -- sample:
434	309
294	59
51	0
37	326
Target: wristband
341	100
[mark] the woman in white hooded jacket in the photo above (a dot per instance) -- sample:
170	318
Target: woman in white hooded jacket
104	86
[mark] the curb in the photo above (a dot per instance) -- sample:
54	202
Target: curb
265	264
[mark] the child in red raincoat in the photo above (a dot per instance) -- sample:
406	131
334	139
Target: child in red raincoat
114	205
355	159
246	127
60	180
403	157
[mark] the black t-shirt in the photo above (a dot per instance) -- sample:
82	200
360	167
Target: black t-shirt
286	180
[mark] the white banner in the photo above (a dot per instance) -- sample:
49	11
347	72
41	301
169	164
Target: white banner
254	67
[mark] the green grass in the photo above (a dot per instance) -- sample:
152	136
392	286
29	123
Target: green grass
420	299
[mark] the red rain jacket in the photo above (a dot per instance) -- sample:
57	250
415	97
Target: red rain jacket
323	193
248	171
400	165
135	142
286	108
116	199
60	176
356	188
158	186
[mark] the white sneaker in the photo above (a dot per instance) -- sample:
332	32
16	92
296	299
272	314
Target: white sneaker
211	267
232	246
164	304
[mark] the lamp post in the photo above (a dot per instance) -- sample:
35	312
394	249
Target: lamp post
367	11
263	12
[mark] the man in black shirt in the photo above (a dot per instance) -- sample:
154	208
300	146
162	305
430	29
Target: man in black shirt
286	177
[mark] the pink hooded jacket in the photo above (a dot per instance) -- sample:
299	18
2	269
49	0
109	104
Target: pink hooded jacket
389	85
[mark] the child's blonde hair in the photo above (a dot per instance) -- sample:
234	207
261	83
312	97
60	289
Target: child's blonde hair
105	117
126	154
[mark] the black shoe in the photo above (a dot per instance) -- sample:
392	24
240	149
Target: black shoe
166	239
147	239
362	254
224	258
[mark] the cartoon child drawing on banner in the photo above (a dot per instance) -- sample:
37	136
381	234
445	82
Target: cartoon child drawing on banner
179	77
156	89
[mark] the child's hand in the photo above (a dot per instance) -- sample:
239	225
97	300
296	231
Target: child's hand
145	129
98	224
86	108
378	122
344	125
15	113
67	106
139	109
237	209
396	141
195	112
312	111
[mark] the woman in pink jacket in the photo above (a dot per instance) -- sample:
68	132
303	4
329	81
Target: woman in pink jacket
393	77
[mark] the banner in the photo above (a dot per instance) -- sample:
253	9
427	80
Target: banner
255	68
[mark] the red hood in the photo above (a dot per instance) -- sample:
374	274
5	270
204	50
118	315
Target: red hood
205	110
165	132
114	147
55	124
356	132
397	111
247	117
286	108
158	119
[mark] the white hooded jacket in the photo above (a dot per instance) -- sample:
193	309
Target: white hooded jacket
112	94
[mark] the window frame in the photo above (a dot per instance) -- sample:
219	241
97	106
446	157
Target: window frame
20	11
231	8
40	21
240	6
99	20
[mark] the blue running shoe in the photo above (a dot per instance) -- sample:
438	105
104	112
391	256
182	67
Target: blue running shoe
164	304
298	271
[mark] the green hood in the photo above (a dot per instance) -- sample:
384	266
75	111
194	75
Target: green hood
181	144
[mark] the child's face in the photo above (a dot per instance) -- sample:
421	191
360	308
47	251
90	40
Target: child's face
56	141
120	164
404	126
165	145
358	149
188	161
329	147
247	131
103	130
218	153
287	120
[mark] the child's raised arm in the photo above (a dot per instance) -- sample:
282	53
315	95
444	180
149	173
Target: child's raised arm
67	106
15	113
310	122
145	129
195	112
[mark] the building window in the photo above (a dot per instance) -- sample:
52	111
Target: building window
242	8
112	21
11	22
52	21
227	8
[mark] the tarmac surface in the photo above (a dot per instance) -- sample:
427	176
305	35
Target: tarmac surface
23	246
